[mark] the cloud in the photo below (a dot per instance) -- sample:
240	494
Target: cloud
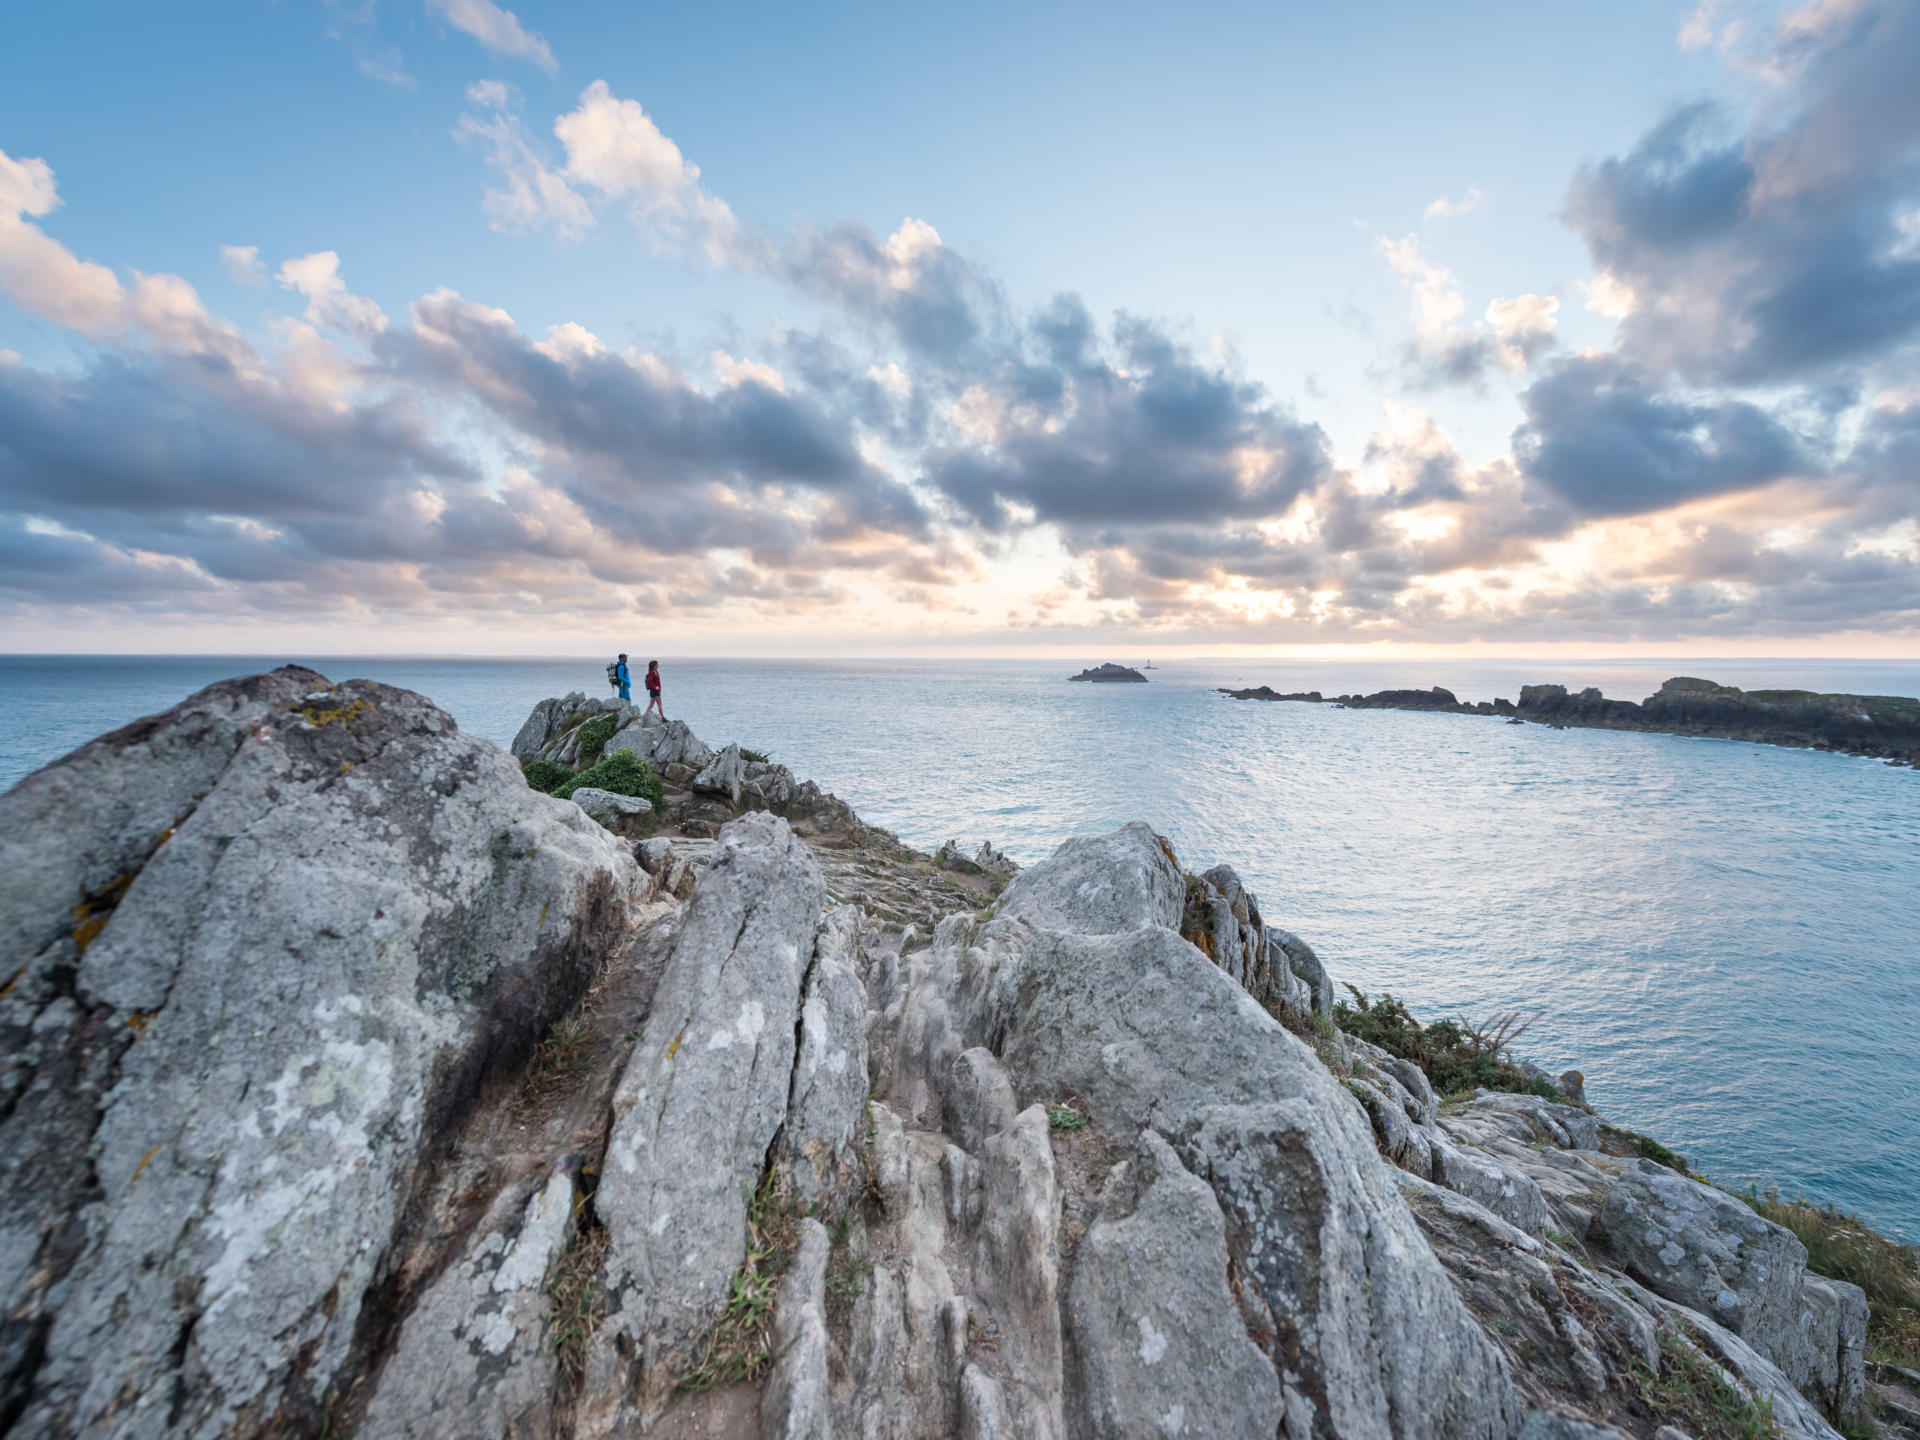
357	26
531	195
1772	251
243	265
1447	208
497	29
1601	434
317	276
1444	351
614	146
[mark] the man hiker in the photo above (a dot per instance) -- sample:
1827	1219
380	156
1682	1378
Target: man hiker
653	689
623	677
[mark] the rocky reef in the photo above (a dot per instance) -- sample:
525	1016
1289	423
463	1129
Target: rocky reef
1880	726
354	1086
1110	673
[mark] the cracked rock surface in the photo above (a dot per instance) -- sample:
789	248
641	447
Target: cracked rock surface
352	1086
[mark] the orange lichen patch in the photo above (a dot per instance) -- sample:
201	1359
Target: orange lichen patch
141	1168
337	714
90	916
140	1019
12	980
1166	848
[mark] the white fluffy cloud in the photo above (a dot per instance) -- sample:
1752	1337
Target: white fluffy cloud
497	29
329	302
614	146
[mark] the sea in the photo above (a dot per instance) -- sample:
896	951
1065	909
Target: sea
1723	937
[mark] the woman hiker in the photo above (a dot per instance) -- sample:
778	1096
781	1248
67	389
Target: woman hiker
653	689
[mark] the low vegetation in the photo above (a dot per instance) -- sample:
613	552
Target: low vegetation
755	757
1692	1393
594	735
1842	1247
1646	1147
1457	1055
575	1301
546	775
739	1347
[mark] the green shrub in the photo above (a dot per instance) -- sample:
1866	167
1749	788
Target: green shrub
623	773
546	775
1648	1148
1455	1054
758	757
594	736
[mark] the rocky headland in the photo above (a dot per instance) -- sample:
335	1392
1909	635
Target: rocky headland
354	1084
1879	726
1110	673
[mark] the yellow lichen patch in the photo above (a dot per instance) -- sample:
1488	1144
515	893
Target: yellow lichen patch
337	714
141	1168
673	1047
347	767
543	913
90	916
12	980
139	1020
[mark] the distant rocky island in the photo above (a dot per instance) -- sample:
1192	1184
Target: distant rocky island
1110	674
362	1078
1880	726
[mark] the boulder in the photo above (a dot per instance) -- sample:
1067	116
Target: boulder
328	917
661	743
473	1357
795	1404
622	814
1156	1329
1100	884
826	1125
1704	1249
700	1102
1148	1033
722	775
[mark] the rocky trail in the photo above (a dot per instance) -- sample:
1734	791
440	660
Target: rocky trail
354	1087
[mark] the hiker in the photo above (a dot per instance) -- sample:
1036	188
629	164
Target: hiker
623	678
653	689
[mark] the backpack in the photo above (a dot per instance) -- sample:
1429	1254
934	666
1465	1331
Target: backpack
613	673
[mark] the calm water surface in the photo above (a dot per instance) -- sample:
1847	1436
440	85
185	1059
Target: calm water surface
1724	937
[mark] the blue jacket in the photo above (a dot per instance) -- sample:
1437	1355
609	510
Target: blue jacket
620	672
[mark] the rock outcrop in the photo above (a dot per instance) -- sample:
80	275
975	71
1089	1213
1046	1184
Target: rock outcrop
1882	726
266	951
1110	673
353	1083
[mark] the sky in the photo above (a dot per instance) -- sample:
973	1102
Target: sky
431	326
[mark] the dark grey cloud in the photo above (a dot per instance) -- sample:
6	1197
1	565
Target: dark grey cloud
1775	251
1603	436
1140	431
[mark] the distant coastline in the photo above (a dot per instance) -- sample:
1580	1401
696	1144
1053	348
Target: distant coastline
1885	727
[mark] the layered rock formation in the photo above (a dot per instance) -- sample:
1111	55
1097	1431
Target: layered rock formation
352	1086
1882	726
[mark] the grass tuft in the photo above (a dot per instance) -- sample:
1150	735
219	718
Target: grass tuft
575	1302
1648	1148
739	1346
756	757
1843	1247
1065	1117
1692	1393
